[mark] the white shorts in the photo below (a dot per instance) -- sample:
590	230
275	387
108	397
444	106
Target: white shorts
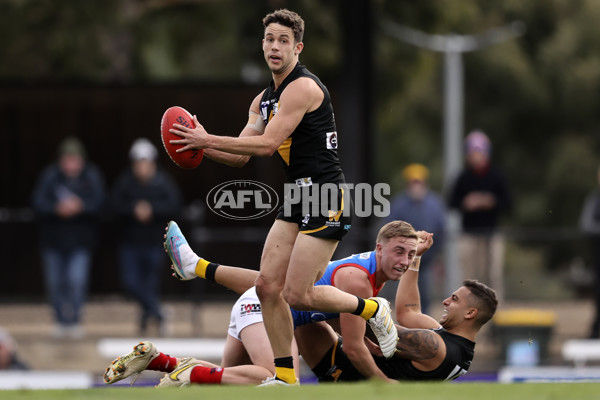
245	312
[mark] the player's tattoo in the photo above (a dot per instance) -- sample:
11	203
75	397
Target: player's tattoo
411	305
417	344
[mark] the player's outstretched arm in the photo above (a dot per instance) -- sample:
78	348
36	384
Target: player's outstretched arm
408	300
298	98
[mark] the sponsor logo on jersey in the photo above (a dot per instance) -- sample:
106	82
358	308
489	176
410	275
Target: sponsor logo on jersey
264	109
317	316
302	182
332	141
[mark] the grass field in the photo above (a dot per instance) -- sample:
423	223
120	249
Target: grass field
361	391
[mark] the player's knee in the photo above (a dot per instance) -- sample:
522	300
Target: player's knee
265	290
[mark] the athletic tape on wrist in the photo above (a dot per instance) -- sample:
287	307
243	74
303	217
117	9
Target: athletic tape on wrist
416	263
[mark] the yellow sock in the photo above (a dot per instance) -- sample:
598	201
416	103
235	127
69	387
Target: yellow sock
370	309
201	268
286	374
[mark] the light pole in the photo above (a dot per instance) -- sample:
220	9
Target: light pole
453	46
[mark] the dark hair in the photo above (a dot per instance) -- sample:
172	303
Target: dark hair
71	146
287	18
486	301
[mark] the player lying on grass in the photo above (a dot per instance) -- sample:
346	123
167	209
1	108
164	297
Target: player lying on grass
362	275
319	345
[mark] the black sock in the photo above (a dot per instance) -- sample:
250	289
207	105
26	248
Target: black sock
211	269
361	306
284	362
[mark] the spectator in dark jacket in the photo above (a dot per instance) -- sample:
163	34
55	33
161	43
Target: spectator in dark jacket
144	198
481	195
67	199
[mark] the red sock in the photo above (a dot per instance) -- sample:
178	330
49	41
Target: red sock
163	362
202	374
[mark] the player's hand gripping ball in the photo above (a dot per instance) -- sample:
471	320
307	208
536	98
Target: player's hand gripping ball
178	115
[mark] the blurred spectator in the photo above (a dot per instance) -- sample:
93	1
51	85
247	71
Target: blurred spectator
589	223
144	199
481	194
9	359
68	198
425	211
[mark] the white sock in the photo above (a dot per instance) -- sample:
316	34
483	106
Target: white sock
189	259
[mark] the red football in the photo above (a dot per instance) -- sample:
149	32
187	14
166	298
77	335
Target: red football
178	115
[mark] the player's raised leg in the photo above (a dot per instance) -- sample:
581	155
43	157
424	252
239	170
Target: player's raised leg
186	264
301	294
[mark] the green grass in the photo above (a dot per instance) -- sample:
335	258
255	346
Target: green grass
361	391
